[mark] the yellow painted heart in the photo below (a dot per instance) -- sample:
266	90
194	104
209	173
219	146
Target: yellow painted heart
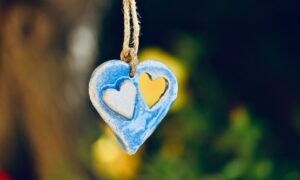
151	90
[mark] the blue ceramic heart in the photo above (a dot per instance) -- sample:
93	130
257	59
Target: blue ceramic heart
132	132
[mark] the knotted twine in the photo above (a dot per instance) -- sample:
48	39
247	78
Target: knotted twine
131	38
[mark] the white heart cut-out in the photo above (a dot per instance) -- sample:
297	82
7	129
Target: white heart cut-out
123	101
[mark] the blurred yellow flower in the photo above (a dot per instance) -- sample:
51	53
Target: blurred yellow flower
110	161
177	68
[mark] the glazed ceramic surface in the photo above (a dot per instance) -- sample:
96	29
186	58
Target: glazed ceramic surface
117	98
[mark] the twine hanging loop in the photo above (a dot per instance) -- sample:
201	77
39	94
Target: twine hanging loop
131	37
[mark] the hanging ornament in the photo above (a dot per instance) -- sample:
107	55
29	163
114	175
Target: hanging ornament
114	89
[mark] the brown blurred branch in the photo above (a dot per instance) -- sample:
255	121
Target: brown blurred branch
33	77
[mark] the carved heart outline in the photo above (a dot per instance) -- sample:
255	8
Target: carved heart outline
150	106
121	100
117	86
132	133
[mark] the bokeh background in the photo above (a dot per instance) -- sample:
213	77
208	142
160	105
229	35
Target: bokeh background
237	115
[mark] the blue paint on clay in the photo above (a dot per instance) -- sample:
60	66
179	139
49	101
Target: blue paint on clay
132	133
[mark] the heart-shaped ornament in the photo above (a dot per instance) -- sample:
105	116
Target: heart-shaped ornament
119	101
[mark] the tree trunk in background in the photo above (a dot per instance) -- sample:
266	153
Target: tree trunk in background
36	83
